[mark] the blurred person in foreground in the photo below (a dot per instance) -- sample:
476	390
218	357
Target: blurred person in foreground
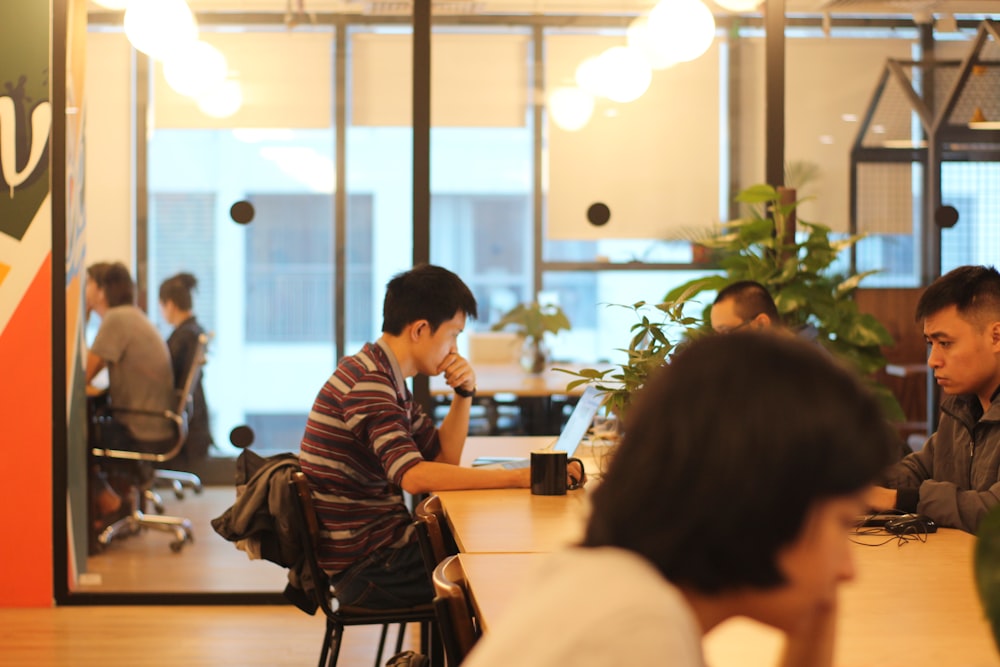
732	494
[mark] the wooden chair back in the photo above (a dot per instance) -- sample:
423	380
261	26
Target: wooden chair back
455	614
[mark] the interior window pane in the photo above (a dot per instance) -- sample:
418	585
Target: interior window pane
598	305
482	171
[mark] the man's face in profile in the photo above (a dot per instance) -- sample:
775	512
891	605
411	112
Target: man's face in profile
961	353
725	319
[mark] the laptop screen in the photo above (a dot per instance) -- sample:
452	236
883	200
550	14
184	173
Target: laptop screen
579	421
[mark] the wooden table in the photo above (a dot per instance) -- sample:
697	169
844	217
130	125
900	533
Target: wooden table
535	395
513	520
910	606
493	379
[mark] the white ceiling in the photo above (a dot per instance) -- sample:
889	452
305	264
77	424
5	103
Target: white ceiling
881	7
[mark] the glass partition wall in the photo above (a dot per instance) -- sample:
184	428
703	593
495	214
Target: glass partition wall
323	150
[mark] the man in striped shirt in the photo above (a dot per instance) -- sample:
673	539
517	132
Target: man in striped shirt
366	440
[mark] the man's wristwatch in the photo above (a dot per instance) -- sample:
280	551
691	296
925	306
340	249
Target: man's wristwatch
465	393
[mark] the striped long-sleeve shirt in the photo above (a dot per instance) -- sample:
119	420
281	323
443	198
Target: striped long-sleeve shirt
364	432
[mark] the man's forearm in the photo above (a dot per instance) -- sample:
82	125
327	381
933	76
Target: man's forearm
430	476
454	429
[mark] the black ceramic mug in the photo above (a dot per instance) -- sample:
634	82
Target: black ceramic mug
548	473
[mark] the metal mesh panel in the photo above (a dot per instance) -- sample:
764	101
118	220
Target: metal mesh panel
979	98
944	76
893	122
888	212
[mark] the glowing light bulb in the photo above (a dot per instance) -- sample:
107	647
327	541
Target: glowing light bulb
195	69
640	39
681	30
570	107
628	74
620	74
159	27
222	101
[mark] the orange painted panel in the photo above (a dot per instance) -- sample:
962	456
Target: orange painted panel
26	435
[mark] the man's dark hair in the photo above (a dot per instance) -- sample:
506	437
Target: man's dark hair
177	290
973	290
425	292
750	299
116	282
726	451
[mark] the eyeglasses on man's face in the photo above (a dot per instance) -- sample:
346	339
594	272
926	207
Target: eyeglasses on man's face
726	329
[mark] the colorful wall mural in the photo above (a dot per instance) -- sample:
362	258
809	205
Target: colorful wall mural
25	303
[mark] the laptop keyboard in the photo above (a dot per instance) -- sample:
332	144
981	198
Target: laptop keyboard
510	464
515	465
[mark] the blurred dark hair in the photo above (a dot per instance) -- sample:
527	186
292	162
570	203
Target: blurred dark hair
116	282
177	289
725	452
973	290
425	292
750	299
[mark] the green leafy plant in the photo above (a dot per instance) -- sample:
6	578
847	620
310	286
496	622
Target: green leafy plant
807	292
532	320
987	569
799	274
653	340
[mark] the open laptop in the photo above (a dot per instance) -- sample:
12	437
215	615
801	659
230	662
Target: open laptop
572	434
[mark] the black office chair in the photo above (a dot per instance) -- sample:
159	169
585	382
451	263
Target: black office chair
456	618
141	480
177	480
339	617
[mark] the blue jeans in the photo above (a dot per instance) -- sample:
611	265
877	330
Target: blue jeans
385	579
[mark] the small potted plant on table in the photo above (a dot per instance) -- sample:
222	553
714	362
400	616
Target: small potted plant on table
532	320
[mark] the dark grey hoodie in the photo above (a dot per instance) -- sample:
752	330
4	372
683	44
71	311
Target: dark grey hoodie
955	478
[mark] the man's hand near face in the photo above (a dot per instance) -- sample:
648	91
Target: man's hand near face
458	372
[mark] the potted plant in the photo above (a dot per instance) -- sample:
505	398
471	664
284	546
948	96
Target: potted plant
986	566
532	320
701	253
654	337
799	274
808	288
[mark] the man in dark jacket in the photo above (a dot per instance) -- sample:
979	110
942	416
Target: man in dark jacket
954	478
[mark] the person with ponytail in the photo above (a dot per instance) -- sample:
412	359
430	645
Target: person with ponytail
177	308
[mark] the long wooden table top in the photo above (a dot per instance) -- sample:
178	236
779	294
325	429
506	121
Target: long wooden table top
911	605
514	520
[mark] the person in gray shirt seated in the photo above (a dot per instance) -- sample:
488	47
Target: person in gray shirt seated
140	375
